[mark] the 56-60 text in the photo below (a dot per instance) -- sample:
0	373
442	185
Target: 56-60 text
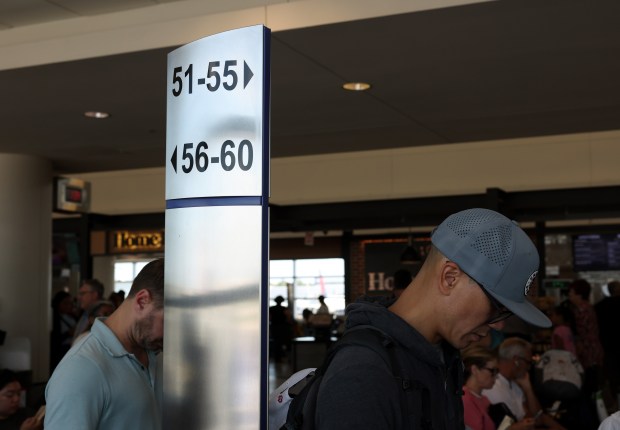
229	157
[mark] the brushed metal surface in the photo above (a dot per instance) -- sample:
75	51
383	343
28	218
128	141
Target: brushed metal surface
212	351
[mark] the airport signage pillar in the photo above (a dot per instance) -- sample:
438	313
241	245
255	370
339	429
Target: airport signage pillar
217	233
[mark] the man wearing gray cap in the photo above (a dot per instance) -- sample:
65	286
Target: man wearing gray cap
478	272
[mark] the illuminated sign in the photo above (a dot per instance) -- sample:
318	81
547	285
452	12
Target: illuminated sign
71	195
125	241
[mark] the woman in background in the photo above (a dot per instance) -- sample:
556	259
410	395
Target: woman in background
562	336
480	373
12	417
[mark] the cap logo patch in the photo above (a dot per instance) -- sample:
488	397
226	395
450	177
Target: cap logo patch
528	284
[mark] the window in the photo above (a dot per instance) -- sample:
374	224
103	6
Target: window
305	280
125	272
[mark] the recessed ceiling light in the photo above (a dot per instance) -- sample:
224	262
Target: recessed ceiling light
356	86
96	114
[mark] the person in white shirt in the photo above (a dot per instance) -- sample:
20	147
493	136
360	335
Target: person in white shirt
513	386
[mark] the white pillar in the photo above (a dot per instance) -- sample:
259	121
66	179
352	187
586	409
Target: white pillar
25	254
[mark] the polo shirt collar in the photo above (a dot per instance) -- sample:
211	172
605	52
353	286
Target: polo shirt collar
108	339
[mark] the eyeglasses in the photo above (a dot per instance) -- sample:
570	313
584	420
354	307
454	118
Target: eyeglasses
500	312
493	370
528	362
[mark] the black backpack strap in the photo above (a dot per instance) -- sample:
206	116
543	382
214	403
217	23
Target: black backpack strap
301	414
417	399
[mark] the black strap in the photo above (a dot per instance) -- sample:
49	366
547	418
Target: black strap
383	344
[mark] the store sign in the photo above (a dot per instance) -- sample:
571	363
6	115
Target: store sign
126	241
71	195
382	258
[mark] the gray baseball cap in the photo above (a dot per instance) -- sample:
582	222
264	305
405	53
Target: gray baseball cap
496	253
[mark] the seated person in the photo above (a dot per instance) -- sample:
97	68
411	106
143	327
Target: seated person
480	372
612	422
12	417
513	386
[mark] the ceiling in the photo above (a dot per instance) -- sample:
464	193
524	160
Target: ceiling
17	13
495	70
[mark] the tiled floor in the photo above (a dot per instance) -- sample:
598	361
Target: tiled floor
278	373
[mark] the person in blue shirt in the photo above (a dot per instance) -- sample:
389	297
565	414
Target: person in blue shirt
107	380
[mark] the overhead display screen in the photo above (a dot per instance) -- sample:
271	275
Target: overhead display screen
596	252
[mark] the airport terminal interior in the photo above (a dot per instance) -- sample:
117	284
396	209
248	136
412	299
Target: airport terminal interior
379	120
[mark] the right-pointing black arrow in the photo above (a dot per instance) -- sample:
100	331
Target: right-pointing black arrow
173	160
247	74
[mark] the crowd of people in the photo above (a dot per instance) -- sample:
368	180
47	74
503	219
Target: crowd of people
283	327
454	341
451	362
574	363
72	319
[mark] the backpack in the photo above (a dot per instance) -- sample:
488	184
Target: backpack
298	394
559	375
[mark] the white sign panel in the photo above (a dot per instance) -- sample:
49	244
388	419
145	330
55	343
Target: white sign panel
214	131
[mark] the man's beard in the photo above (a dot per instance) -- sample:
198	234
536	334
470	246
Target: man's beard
143	330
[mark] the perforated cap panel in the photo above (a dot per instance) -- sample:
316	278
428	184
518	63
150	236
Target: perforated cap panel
463	223
495	243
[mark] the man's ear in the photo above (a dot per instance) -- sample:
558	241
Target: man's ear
143	298
450	273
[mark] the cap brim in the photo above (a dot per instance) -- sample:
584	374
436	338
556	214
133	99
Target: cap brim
524	310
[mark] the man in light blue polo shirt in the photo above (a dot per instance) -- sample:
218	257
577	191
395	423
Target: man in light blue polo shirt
107	380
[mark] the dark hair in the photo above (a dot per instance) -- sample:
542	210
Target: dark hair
58	298
477	356
581	287
402	279
98	305
614	288
566	314
6	377
150	278
278	299
95	286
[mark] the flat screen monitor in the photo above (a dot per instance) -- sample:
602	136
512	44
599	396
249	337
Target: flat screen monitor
596	252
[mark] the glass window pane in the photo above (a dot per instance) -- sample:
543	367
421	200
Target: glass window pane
123	272
311	278
138	266
281	269
322	266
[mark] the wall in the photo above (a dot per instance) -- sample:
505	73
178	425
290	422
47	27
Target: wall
25	263
552	162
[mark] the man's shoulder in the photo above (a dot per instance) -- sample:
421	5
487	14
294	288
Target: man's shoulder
85	358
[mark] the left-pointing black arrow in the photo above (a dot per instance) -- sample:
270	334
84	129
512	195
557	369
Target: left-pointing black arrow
173	160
